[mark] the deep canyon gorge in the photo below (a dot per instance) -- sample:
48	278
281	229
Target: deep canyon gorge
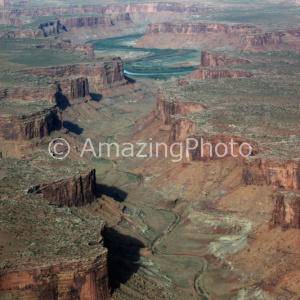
111	227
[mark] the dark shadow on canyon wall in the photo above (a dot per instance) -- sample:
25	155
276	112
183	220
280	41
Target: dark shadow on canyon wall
111	191
123	256
62	101
72	127
96	97
130	80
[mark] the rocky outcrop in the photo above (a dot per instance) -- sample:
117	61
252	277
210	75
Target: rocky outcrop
214	60
54	28
79	29
221	146
6	20
205	74
262	41
149	7
167	107
67	45
77	279
181	128
29	93
200	36
293	33
283	174
101	75
78	190
153	7
51	28
30	126
197	28
205	36
53	11
96	21
286	213
74	88
183	81
86	49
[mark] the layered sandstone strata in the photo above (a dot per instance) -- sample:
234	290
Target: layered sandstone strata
31	125
287	212
54	28
10	21
283	174
74	88
95	21
84	279
216	60
29	94
100	74
79	29
67	45
205	36
181	128
205	74
78	190
262	41
52	11
149	7
152	7
197	28
168	107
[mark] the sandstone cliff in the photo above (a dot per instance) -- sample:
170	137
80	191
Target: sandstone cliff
286	213
262	41
7	20
152	7
101	74
67	45
54	28
205	36
214	60
30	126
74	88
204	74
180	129
283	174
79	30
77	279
197	28
167	107
28	94
78	190
96	21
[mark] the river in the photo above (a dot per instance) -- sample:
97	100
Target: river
155	63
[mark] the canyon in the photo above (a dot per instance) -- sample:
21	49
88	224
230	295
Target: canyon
210	226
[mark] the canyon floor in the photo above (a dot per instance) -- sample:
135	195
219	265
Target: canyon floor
113	227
